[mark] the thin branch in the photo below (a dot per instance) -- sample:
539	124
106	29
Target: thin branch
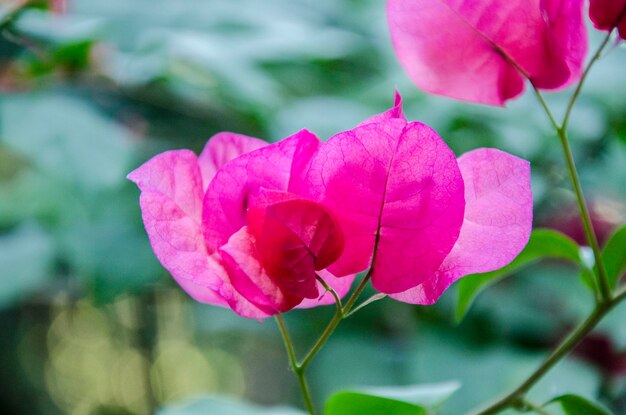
329	289
534	407
594	59
304	387
569	343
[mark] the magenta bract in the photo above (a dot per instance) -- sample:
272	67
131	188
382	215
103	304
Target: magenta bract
496	224
477	50
609	14
250	226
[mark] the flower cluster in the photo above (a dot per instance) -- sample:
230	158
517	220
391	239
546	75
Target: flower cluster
253	226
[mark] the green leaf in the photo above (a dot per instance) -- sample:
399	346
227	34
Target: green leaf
71	141
543	244
224	406
614	256
401	400
577	405
357	403
426	394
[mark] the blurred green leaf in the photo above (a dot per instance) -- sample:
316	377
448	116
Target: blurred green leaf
26	256
56	28
356	403
69	140
543	244
577	405
614	255
224	406
110	253
8	9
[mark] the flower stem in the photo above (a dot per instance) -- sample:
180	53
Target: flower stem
516	397
606	301
299	368
590	235
592	240
561	130
531	406
304	387
594	59
339	315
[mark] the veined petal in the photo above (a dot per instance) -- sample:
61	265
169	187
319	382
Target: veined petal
394	185
497	223
171	201
391	113
222	148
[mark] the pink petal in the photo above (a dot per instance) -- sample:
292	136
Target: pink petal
222	148
295	237
249	277
340	285
497	224
464	49
393	112
607	14
227	197
171	201
395	179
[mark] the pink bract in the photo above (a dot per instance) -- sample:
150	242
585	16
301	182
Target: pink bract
496	225
609	14
477	50
422	217
395	186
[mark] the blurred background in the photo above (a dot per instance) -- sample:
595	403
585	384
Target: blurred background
90	323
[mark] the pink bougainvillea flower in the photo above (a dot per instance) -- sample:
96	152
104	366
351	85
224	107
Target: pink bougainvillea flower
477	50
230	230
250	226
609	14
407	206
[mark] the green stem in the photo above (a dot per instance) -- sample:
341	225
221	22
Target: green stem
594	59
528	405
561	130
329	289
304	387
590	235
606	302
516	397
299	368
592	240
335	321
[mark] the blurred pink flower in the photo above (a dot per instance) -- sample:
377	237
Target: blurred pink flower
231	232
59	6
477	50
608	14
